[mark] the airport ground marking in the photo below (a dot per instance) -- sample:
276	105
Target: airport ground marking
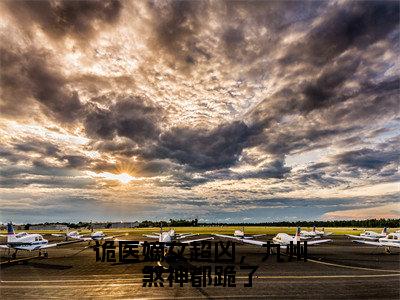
238	277
351	267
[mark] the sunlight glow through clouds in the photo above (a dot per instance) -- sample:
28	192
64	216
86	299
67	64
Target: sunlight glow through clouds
122	177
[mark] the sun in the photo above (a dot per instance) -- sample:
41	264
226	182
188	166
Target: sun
122	177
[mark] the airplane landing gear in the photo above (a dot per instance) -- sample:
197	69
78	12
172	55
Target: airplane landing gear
14	255
46	255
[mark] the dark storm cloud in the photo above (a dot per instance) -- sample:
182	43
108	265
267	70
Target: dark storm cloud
37	146
356	24
176	24
28	75
187	178
324	89
133	118
51	182
64	18
319	178
369	158
201	149
293	140
329	79
379	164
76	161
178	27
38	167
252	29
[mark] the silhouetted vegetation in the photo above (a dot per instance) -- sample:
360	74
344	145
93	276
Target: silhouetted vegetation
391	223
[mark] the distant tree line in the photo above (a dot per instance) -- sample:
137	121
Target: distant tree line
171	223
392	223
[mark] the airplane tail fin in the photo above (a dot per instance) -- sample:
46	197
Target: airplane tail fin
10	232
297	236
313	229
385	230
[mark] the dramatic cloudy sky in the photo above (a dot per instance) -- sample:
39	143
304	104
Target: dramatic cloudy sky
224	111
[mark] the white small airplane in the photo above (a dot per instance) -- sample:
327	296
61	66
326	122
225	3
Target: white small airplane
69	235
94	236
391	240
370	235
28	242
171	235
284	239
99	236
240	236
314	233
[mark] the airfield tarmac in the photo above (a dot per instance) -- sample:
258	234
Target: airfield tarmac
336	270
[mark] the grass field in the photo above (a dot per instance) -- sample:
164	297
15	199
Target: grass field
219	229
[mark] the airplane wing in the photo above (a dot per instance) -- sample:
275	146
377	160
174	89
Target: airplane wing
257	235
185	235
318	242
48	246
58	235
229	237
114	236
4	247
363	237
367	242
34	247
253	242
151	236
86	239
196	240
253	236
245	241
379	244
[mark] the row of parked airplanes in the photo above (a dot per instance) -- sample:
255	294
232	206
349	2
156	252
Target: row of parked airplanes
31	242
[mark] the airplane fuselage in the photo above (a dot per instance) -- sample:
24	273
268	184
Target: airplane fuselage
24	241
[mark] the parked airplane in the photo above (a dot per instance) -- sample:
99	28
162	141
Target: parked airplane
171	235
314	233
240	236
284	239
28	242
69	235
391	240
240	233
99	236
94	236
370	235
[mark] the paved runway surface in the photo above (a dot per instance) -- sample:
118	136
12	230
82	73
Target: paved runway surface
336	270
